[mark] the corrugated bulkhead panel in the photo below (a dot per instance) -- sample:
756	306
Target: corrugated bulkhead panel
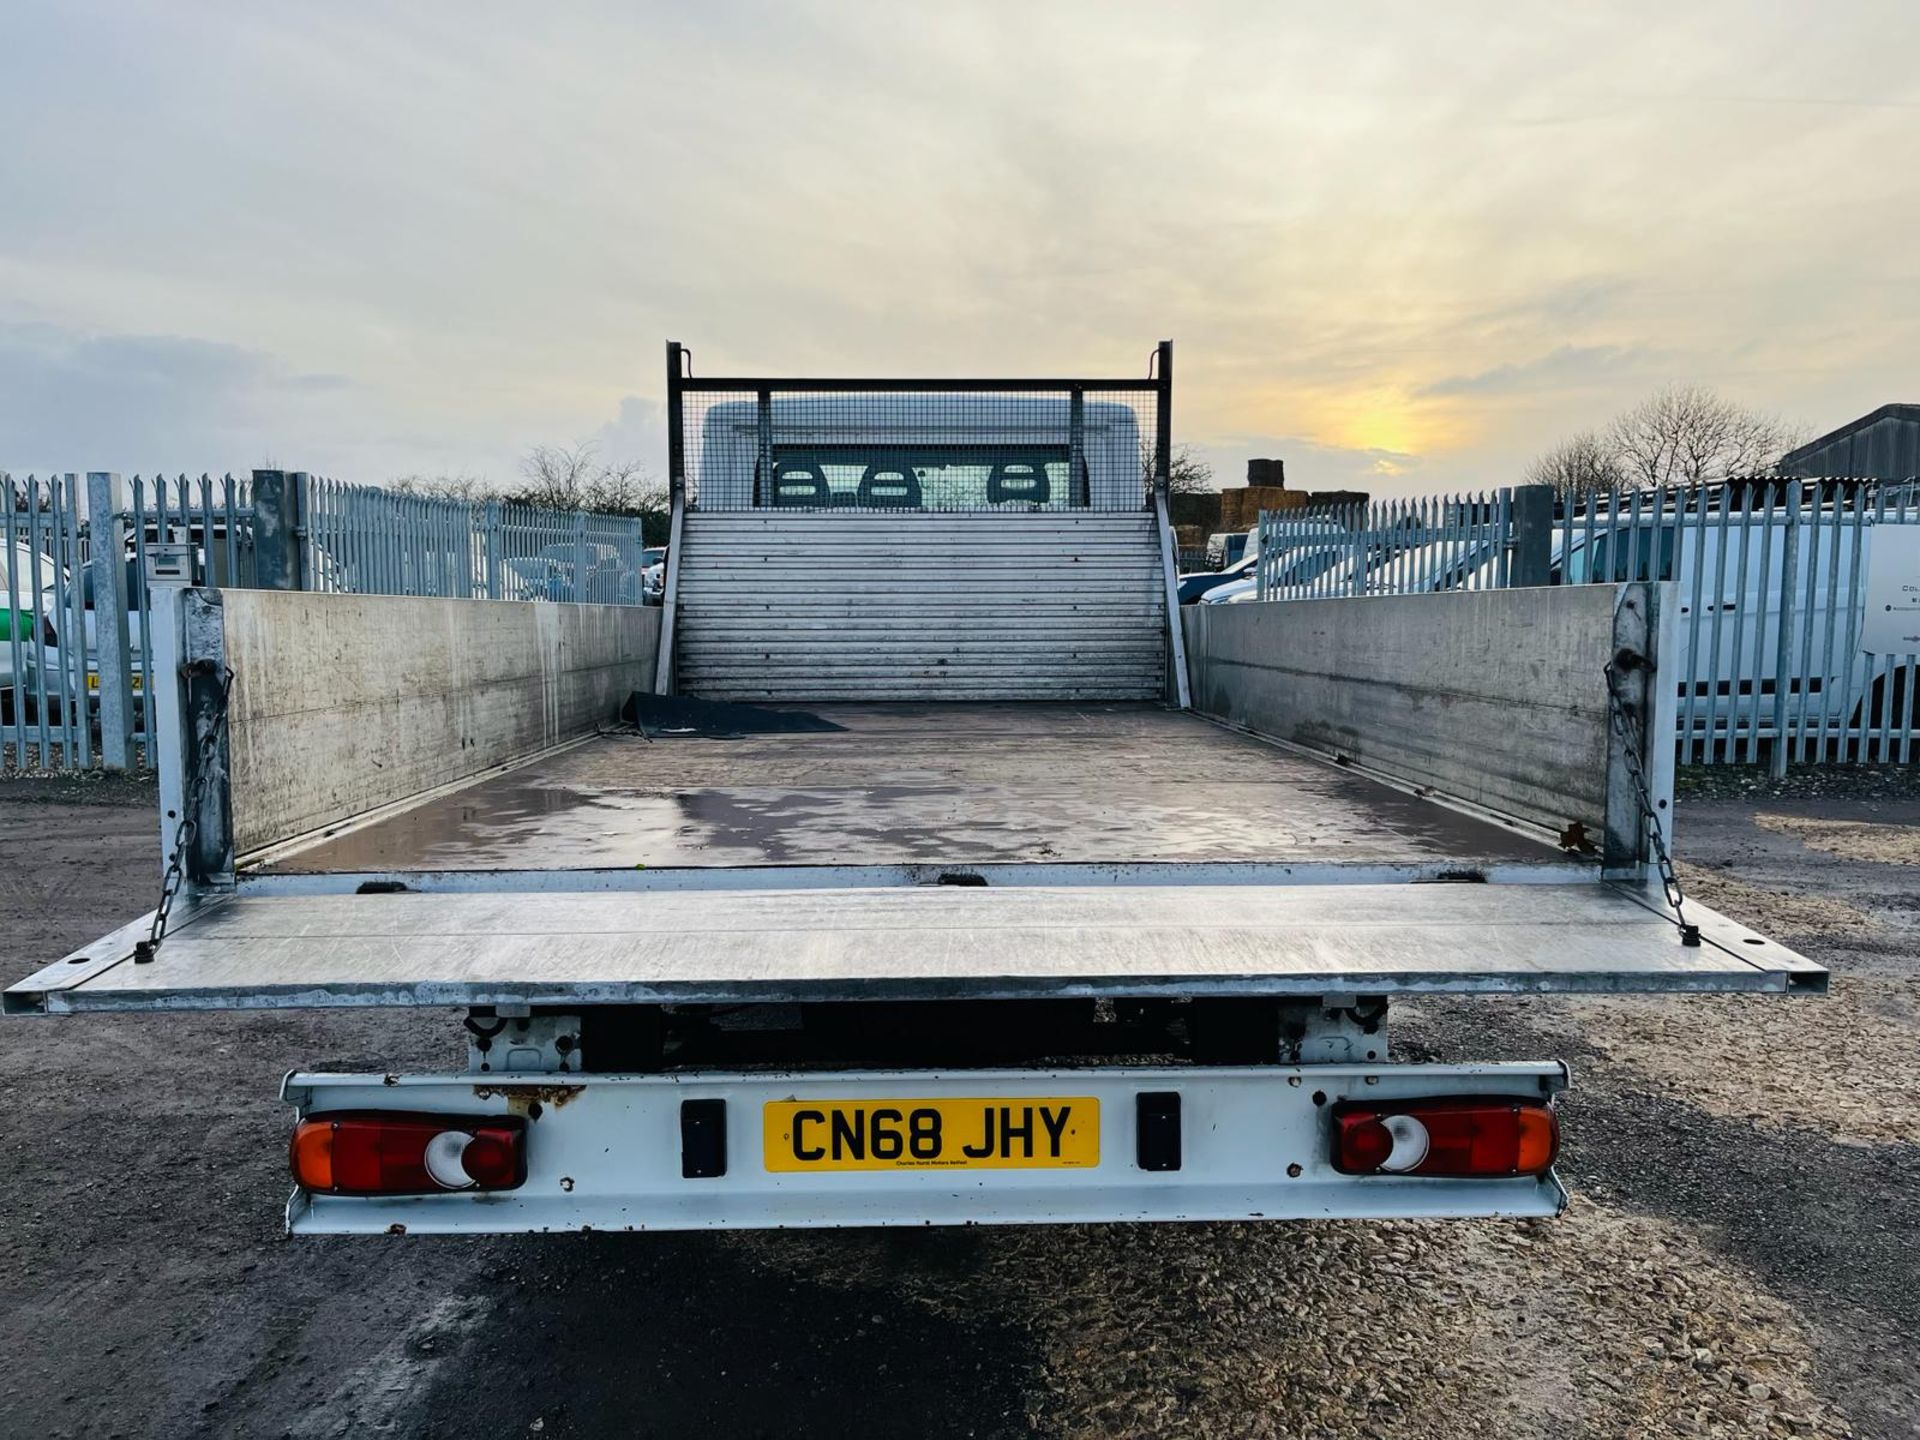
825	605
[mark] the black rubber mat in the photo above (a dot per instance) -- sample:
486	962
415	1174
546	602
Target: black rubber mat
665	716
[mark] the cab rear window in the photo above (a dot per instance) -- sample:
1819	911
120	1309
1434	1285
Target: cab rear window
919	477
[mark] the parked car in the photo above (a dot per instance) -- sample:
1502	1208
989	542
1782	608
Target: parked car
1316	545
36	632
1301	552
136	660
24	574
533	577
1197	583
607	580
1729	580
1300	565
28	637
1229	547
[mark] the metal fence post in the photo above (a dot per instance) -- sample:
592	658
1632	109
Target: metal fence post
76	707
107	541
278	529
1532	537
301	485
18	626
580	596
1355	581
493	549
1783	645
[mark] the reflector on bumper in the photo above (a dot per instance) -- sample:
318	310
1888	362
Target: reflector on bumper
1475	1137
381	1153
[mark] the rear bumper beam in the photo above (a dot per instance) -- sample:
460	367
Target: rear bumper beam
608	1152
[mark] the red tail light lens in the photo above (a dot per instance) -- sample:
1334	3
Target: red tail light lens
1482	1136
374	1152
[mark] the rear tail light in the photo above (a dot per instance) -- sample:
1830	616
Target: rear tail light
1480	1136
375	1152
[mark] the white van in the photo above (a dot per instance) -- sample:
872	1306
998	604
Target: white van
1731	581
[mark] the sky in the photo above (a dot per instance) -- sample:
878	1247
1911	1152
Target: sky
1402	246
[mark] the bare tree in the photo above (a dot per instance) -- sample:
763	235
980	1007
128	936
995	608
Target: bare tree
1188	474
626	489
573	477
1684	434
465	488
1583	465
557	477
1679	435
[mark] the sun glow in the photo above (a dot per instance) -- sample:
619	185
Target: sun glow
1392	421
1389	420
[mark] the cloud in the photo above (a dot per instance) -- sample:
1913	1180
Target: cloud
76	400
637	435
1340	213
1568	368
104	401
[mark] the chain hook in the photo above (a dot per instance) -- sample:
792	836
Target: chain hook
188	830
1632	740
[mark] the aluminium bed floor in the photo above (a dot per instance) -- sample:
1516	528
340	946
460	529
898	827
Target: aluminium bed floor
923	783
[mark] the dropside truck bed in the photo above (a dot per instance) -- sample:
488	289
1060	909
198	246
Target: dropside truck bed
913	963
1063	905
918	852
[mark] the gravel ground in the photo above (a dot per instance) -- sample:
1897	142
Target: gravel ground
1739	1260
51	767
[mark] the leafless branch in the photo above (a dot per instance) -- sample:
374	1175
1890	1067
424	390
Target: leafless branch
1582	465
1684	434
1679	435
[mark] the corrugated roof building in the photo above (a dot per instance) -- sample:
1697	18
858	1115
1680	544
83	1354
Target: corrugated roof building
1882	446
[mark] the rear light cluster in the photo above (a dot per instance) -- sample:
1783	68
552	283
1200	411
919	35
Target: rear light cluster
1483	1136
376	1152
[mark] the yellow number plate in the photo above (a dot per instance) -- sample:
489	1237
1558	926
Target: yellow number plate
993	1133
93	682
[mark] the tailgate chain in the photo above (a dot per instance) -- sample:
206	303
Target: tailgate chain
189	827
1632	740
